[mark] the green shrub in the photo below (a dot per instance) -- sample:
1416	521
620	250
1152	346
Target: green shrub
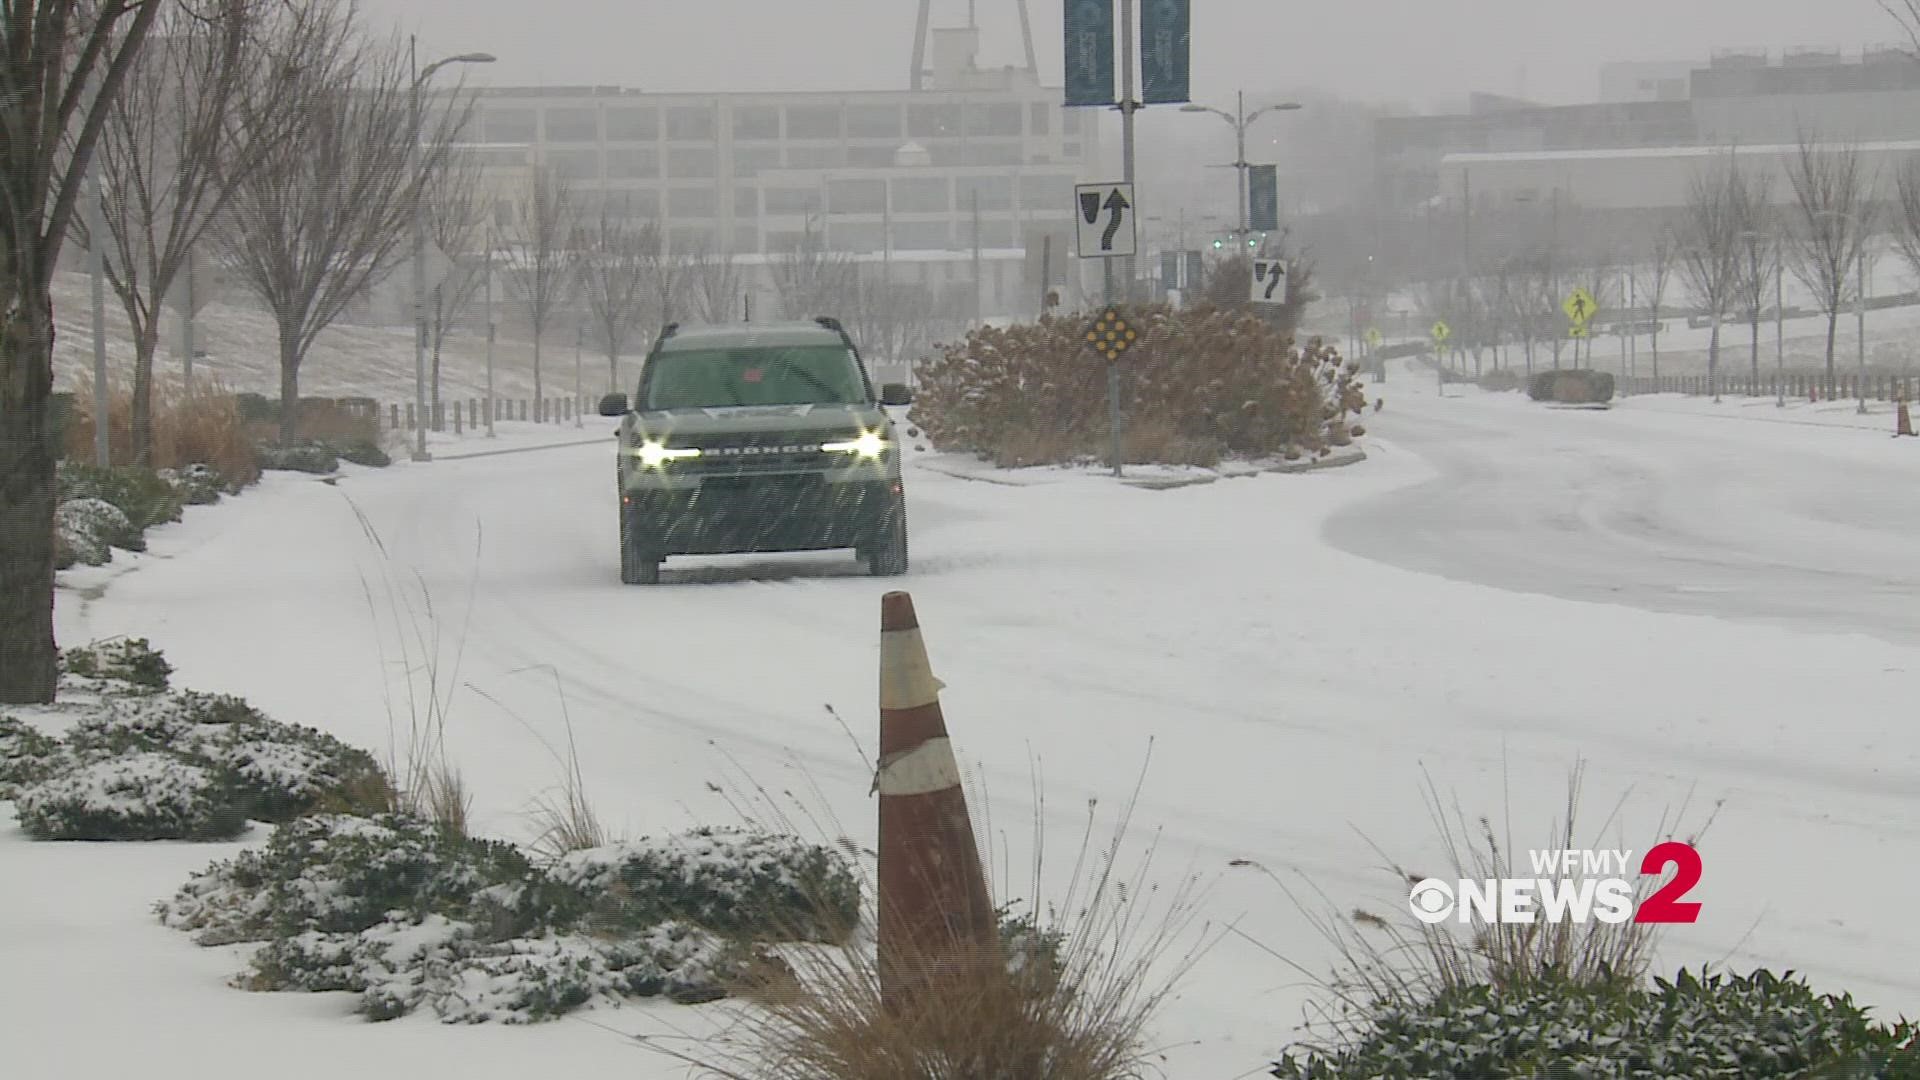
142	495
362	452
139	796
1571	387
127	660
198	485
743	884
26	756
310	458
1199	383
87	531
1706	1027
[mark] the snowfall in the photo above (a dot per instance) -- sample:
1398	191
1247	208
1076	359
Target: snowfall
1717	607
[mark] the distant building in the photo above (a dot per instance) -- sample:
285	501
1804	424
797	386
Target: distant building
1645	80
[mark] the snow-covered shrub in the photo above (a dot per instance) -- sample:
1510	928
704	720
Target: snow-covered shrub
127	660
197	484
141	494
139	796
27	756
362	452
1572	387
1201	382
89	530
406	913
737	882
311	458
1706	1027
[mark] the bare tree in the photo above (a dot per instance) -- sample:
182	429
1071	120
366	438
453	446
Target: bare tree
1906	211
1710	250
616	259
713	284
64	64
1760	260
171	153
454	212
327	212
1652	273
540	266
1833	219
810	280
891	320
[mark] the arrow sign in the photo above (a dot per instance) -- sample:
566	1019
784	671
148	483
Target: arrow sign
1105	220
1267	276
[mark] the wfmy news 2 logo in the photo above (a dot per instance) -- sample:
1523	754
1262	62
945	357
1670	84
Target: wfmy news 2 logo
1576	885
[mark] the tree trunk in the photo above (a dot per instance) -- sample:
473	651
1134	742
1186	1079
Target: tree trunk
1713	359
1756	350
29	659
289	389
439	336
145	345
613	370
1833	320
536	365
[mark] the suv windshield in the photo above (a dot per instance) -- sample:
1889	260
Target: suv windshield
763	375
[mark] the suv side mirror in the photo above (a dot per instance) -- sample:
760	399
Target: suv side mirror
894	393
613	405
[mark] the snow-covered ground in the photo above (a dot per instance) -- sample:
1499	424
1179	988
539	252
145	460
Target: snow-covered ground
1287	692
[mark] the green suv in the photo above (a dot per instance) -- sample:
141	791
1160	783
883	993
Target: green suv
757	437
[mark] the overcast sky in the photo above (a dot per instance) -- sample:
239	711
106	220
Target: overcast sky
1421	52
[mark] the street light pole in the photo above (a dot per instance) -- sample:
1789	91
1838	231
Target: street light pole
492	404
418	217
1240	122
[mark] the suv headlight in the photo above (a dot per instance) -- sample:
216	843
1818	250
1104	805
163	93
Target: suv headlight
652	454
870	444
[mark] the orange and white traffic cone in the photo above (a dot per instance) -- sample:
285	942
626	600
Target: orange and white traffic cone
1903	424
935	912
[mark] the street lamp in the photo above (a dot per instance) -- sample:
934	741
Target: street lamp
1239	120
420	238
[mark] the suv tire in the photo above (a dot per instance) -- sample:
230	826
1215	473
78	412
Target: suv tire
637	565
888	555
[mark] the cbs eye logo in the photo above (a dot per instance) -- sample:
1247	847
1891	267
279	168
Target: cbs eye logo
1431	901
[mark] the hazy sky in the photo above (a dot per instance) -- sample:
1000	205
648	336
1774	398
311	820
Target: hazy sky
1414	51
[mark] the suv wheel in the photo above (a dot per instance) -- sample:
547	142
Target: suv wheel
637	565
888	555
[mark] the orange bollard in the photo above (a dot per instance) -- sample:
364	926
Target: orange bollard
935	912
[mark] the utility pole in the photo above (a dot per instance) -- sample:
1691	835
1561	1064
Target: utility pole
491	403
1860	317
1779	332
419	260
1128	106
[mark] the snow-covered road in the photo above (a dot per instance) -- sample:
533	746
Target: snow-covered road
1733	515
1291	692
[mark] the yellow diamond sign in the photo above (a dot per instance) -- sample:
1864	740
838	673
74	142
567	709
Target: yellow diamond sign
1580	306
1441	331
1109	335
1373	336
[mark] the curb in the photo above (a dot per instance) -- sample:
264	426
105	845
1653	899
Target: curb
521	449
1332	462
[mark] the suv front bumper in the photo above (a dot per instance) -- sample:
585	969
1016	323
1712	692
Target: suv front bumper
763	513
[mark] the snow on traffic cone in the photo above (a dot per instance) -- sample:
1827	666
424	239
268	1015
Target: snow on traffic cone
1903	425
935	913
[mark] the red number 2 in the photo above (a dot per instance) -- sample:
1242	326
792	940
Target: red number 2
1665	905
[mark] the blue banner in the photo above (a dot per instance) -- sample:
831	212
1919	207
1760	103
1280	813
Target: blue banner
1165	61
1263	198
1089	52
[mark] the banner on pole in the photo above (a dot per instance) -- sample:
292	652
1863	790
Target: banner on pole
1165	53
1089	52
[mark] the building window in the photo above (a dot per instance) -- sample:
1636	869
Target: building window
690	123
870	157
1070	151
858	237
573	125
746	240
933	121
751	160
1038	117
856	196
575	164
993	153
873	121
634	204
690	239
1045	193
994	233
630	123
793	200
922	195
510	125
746	202
921	236
816	157
996	192
633	163
1070	122
691	163
690	202
993	119
813	121
756	122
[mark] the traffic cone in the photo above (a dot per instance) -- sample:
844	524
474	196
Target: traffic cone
1904	424
935	913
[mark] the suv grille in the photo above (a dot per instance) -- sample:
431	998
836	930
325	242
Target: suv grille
775	452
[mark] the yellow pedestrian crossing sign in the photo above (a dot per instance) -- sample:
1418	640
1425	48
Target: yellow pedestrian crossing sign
1441	331
1580	306
1373	337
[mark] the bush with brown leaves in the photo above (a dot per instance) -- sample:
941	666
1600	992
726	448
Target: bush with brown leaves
1200	384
